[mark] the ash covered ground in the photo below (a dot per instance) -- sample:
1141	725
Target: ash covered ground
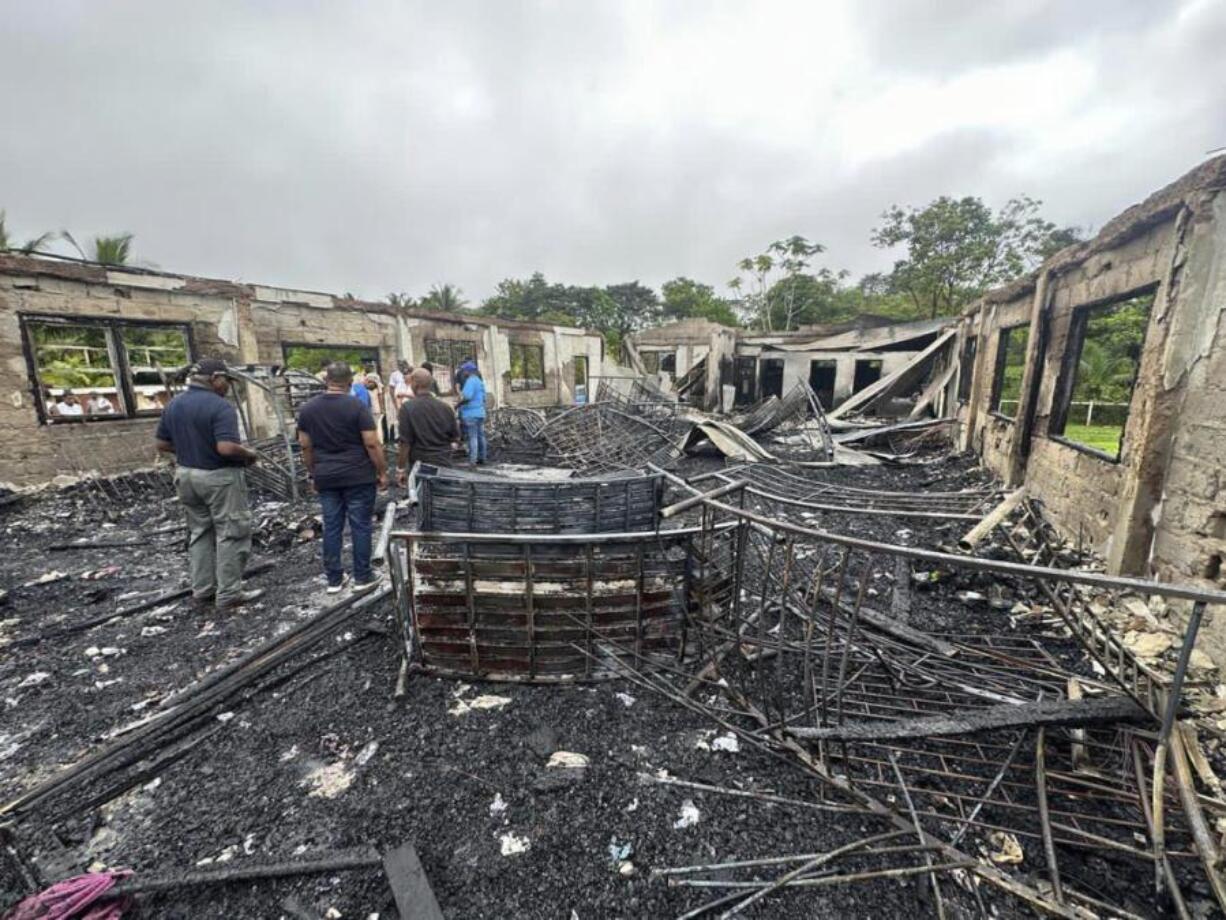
320	757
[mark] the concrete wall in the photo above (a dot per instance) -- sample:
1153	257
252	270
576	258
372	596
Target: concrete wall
1160	509
796	365
245	324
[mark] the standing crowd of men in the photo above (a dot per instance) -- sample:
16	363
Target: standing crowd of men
341	437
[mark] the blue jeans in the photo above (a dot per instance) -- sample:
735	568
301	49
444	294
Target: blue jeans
357	504
474	434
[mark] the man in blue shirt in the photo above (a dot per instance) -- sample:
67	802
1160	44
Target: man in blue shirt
201	429
472	411
357	388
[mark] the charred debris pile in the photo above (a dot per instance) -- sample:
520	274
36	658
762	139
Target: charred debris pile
651	663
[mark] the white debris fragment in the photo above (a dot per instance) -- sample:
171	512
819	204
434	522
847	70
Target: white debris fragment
329	781
728	742
513	845
364	755
626	699
149	632
224	717
332	914
970	597
626	869
633	806
289	755
33	680
568	760
46	578
498	806
93	652
688	816
485	701
110	651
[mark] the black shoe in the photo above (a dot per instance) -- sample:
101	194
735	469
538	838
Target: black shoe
240	600
202	603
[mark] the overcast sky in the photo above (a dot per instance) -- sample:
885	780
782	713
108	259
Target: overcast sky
371	147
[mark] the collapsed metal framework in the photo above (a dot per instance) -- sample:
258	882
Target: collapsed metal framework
801	648
600	437
782	488
796	425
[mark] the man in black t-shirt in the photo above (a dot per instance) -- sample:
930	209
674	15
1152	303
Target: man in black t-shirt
201	429
427	427
343	455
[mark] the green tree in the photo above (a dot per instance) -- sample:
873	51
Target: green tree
685	298
108	250
8	244
631	306
535	300
444	298
770	282
957	248
810	299
1102	375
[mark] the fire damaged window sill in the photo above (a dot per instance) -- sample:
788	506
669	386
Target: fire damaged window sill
1001	417
1085	449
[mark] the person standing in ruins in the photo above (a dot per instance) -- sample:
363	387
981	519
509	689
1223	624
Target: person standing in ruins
344	459
427	425
201	429
472	412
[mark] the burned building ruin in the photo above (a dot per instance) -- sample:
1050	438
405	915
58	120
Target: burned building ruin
882	619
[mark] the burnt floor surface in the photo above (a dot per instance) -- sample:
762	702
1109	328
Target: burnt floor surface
324	759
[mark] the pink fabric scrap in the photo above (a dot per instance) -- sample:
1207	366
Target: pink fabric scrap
83	897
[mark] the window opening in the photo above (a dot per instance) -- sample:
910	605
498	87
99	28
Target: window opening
1010	366
1099	372
527	367
821	378
868	372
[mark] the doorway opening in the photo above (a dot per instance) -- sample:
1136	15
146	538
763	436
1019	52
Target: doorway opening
772	377
821	379
868	372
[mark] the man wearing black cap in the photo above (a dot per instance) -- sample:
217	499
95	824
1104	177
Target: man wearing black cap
201	429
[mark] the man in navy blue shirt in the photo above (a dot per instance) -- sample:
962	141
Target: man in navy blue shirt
201	429
342	452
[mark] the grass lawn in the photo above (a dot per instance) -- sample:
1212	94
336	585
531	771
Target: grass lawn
1101	437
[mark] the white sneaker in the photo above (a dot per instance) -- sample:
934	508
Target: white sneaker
337	589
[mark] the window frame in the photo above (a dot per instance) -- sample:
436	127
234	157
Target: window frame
338	346
525	385
1003	334
124	383
1070	365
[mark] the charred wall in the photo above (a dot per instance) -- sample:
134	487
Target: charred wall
1159	508
245	324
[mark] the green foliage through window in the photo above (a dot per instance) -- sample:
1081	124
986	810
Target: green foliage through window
1010	367
527	367
1108	341
76	366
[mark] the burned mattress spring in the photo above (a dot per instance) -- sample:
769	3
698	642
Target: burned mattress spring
456	501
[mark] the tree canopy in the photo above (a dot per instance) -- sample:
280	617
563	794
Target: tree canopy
685	298
957	248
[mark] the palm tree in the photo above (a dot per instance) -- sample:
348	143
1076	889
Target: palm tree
444	298
29	247
1102	375
400	299
109	250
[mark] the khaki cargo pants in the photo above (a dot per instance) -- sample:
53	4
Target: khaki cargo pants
218	529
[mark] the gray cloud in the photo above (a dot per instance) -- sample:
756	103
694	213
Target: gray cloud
387	146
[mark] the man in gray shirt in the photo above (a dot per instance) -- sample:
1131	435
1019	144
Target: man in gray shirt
428	427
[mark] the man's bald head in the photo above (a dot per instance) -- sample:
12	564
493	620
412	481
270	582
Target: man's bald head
421	380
